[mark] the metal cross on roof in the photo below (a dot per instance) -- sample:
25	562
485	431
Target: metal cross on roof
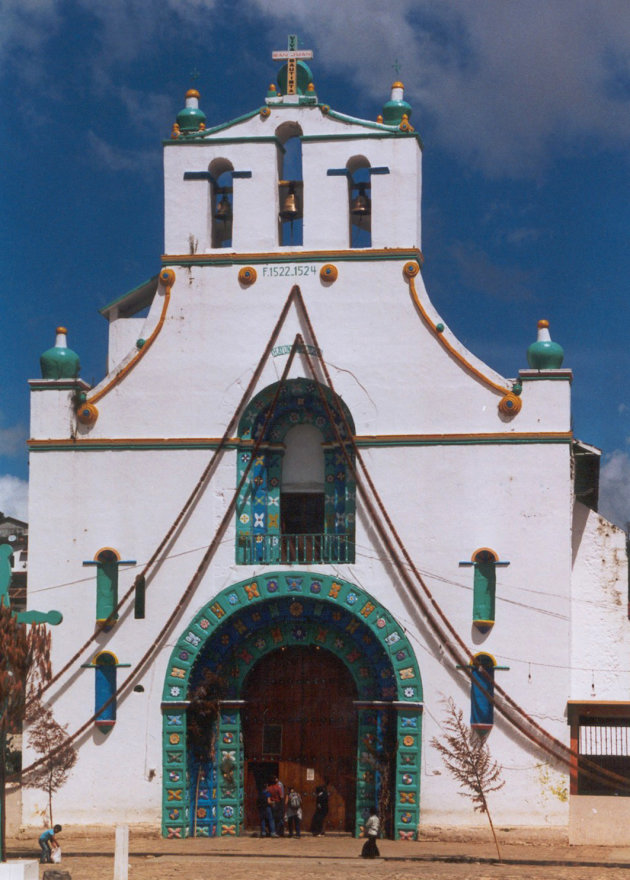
291	56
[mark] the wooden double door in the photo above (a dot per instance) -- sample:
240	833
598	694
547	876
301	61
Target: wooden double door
300	723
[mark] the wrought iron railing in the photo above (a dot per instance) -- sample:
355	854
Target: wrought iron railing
253	549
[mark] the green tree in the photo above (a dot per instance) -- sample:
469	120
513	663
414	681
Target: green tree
467	757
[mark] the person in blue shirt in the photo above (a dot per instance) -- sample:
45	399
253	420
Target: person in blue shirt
48	842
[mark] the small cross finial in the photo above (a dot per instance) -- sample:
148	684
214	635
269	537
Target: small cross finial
291	57
194	75
397	67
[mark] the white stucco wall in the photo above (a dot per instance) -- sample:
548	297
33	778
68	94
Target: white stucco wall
600	629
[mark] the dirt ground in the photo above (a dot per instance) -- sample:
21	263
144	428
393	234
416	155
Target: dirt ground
88	854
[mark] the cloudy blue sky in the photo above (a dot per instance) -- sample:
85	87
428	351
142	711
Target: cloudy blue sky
523	106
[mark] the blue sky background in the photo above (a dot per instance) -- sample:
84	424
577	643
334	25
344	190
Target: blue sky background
523	106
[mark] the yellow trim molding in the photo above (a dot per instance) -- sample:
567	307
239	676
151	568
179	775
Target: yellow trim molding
167	277
410	274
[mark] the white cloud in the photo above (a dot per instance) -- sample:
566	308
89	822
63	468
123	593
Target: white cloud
12	440
26	25
14	496
614	488
504	86
477	270
116	159
501	82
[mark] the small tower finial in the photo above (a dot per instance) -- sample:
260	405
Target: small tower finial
60	362
544	354
191	118
397	108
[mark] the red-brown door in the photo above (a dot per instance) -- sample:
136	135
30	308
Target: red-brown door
299	716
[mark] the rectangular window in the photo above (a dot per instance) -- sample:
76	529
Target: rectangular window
604	756
272	739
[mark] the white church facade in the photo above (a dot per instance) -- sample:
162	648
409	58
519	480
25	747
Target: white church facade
297	495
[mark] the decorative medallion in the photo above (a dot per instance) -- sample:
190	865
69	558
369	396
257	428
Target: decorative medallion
167	276
87	414
510	405
247	275
264	112
411	269
328	273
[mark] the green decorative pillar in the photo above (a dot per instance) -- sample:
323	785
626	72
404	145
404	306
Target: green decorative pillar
230	775
175	794
407	785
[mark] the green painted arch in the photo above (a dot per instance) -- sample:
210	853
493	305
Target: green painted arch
240	626
299	400
349	610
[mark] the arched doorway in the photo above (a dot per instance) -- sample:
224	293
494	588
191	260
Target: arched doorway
300	723
230	636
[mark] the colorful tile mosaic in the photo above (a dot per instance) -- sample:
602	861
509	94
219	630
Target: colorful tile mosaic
232	633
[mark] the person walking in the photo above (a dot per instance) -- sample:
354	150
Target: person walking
372	829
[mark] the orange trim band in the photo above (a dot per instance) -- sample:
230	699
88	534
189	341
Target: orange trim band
359	438
167	276
274	256
447	345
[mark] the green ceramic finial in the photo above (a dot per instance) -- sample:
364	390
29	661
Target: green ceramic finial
396	107
191	118
544	354
60	362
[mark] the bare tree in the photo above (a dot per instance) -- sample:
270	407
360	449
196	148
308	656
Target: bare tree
24	660
51	740
467	757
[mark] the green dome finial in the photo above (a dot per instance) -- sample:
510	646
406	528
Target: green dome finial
191	118
396	107
544	354
60	362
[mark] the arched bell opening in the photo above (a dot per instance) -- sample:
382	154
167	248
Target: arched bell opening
290	185
221	203
234	648
359	202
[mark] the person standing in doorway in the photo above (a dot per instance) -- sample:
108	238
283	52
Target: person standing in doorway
265	813
321	811
276	793
294	812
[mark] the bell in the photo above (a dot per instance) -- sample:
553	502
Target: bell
223	210
361	204
290	207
